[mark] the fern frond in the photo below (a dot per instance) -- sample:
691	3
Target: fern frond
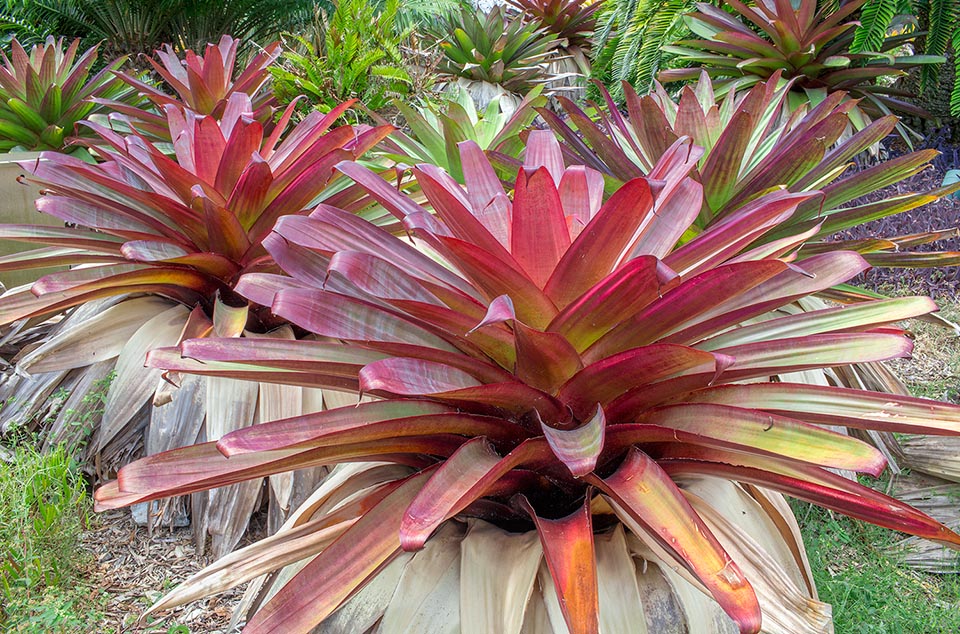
875	19
944	22
955	95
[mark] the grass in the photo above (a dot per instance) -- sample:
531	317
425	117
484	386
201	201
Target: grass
43	509
869	592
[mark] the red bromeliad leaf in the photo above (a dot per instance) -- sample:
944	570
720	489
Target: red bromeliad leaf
459	481
602	244
623	292
814	485
830	405
568	548
604	381
341	317
769	432
644	492
540	236
413	377
578	448
683	304
201	467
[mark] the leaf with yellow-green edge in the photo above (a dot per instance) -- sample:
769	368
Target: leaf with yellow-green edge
844	152
922	260
839	406
349	561
852	216
578	448
25	304
753	361
333	315
642	490
767	432
605	380
463	478
623	292
569	551
816	350
815	274
813	484
684	304
872	179
839	319
737	230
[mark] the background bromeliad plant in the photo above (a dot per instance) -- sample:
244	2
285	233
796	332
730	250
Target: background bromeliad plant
202	84
45	93
158	242
752	141
436	130
807	43
494	54
567	387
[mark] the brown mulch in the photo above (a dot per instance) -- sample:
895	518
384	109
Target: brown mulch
135	569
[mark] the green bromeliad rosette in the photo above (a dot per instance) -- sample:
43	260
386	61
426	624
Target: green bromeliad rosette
578	423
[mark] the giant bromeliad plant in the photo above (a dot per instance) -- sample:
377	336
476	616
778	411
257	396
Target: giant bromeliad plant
751	141
158	244
561	389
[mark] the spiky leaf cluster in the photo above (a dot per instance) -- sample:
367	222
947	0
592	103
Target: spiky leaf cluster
46	92
184	227
495	47
571	20
807	45
752	140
